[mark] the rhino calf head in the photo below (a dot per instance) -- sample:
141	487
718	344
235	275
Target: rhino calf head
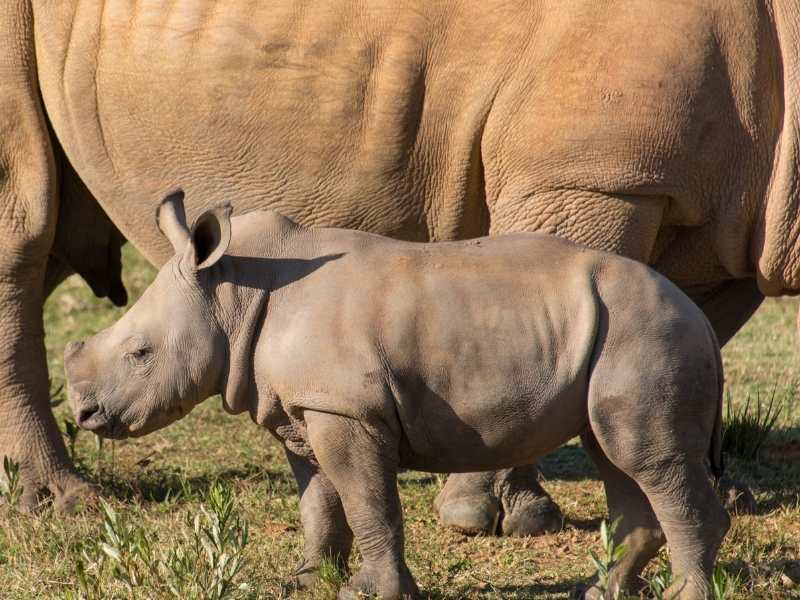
166	354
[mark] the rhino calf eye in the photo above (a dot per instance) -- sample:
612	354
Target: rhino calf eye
139	355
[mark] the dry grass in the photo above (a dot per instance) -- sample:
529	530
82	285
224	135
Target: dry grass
156	481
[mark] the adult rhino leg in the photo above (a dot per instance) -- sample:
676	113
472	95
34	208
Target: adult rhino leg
511	501
28	208
728	308
86	240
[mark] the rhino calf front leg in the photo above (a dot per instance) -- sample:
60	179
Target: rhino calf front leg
361	460
326	534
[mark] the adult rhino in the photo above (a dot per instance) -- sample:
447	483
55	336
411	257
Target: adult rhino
664	131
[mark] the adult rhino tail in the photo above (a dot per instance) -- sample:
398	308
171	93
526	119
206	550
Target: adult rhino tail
715	450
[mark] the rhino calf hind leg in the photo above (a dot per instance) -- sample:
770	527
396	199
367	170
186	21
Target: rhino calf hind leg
667	460
687	509
654	408
694	523
637	528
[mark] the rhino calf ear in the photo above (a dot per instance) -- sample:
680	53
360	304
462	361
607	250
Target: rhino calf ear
171	220
209	237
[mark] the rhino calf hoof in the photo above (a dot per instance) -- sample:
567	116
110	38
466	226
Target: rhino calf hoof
536	517
306	577
387	584
472	515
736	497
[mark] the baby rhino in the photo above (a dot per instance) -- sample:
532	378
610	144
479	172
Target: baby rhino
365	355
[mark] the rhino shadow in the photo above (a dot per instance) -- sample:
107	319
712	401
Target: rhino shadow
256	272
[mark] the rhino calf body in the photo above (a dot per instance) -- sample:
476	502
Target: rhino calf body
365	355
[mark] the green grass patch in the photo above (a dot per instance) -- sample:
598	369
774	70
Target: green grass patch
747	426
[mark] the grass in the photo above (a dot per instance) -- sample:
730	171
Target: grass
156	483
748	426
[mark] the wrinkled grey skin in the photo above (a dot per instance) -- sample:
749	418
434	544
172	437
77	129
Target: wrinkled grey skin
365	355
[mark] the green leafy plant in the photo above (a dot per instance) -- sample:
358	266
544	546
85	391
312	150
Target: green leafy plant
203	563
610	555
10	486
332	577
723	584
658	583
746	428
57	395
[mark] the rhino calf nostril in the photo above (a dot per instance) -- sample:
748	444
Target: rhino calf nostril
86	413
71	348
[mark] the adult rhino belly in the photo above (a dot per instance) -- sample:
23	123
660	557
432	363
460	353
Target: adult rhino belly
253	105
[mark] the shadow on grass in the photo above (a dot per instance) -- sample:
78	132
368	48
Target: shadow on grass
162	485
585	524
534	590
568	463
774	477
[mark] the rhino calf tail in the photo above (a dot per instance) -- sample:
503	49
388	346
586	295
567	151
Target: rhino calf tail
715	450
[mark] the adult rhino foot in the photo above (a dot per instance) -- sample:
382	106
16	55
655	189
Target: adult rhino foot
32	489
72	494
736	496
468	504
67	491
527	508
509	502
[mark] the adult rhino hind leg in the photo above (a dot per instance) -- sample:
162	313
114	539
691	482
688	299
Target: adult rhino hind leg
511	501
95	253
28	208
728	308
